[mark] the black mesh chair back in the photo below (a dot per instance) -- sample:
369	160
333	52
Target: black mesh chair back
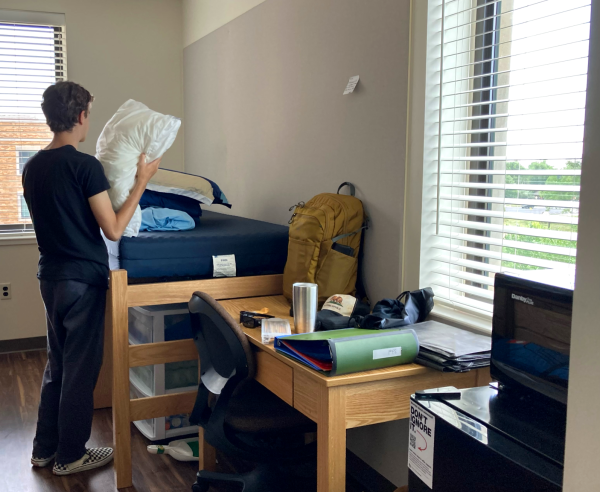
240	417
226	358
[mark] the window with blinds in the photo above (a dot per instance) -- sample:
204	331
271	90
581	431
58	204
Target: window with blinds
32	57
503	144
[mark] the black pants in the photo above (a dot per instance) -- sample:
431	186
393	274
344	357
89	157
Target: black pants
75	319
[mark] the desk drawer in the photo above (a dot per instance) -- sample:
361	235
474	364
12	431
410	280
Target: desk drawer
276	376
389	399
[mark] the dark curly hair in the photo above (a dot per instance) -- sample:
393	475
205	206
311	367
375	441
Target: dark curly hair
62	104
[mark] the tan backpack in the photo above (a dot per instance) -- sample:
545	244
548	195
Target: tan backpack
325	239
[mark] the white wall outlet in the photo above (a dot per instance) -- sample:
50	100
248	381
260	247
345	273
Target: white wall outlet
5	292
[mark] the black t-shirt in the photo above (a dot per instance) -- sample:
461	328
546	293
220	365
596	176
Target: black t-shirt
57	184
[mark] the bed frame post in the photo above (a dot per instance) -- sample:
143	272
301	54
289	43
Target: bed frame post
120	400
113	383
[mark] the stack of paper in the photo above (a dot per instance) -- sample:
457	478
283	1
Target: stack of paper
446	348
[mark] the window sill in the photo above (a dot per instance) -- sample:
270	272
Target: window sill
479	324
17	238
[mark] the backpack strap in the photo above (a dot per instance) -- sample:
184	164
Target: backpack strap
403	297
361	288
349	185
342	236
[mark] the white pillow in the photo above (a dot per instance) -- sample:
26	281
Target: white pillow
134	129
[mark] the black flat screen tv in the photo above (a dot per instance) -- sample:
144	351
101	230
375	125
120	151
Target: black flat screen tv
531	332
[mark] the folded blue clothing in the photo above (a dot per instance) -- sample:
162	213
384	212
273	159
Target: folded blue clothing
169	200
165	219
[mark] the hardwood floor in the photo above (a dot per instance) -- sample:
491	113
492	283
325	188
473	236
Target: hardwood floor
20	380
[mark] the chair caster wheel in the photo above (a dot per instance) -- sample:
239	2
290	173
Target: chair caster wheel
200	487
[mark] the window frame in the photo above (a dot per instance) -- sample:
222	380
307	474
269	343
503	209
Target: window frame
24	148
26	236
421	121
486	48
421	117
21	199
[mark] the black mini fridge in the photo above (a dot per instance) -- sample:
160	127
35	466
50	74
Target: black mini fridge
485	441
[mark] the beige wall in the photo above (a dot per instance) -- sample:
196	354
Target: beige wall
23	315
266	118
201	17
118	49
582	472
122	49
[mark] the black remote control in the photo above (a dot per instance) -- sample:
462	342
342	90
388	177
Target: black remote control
445	395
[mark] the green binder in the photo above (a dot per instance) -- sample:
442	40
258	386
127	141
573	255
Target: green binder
339	352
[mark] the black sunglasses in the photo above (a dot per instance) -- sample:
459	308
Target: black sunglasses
252	320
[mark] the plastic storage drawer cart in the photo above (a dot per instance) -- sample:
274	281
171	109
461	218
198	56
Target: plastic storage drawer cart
162	323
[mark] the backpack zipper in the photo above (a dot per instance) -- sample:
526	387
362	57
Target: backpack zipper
293	207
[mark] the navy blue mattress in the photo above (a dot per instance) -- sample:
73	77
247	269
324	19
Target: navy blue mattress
260	248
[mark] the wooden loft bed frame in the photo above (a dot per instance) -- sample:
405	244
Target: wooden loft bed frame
112	388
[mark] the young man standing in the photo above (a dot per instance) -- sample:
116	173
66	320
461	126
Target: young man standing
66	192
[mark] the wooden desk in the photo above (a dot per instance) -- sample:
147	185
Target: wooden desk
335	404
341	402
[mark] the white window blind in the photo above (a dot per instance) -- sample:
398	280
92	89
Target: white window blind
503	142
32	57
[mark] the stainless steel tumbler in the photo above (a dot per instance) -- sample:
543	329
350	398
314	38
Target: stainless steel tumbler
305	299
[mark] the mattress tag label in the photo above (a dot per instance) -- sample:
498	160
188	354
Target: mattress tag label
387	353
224	266
421	437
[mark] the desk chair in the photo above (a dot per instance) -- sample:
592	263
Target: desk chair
240	417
